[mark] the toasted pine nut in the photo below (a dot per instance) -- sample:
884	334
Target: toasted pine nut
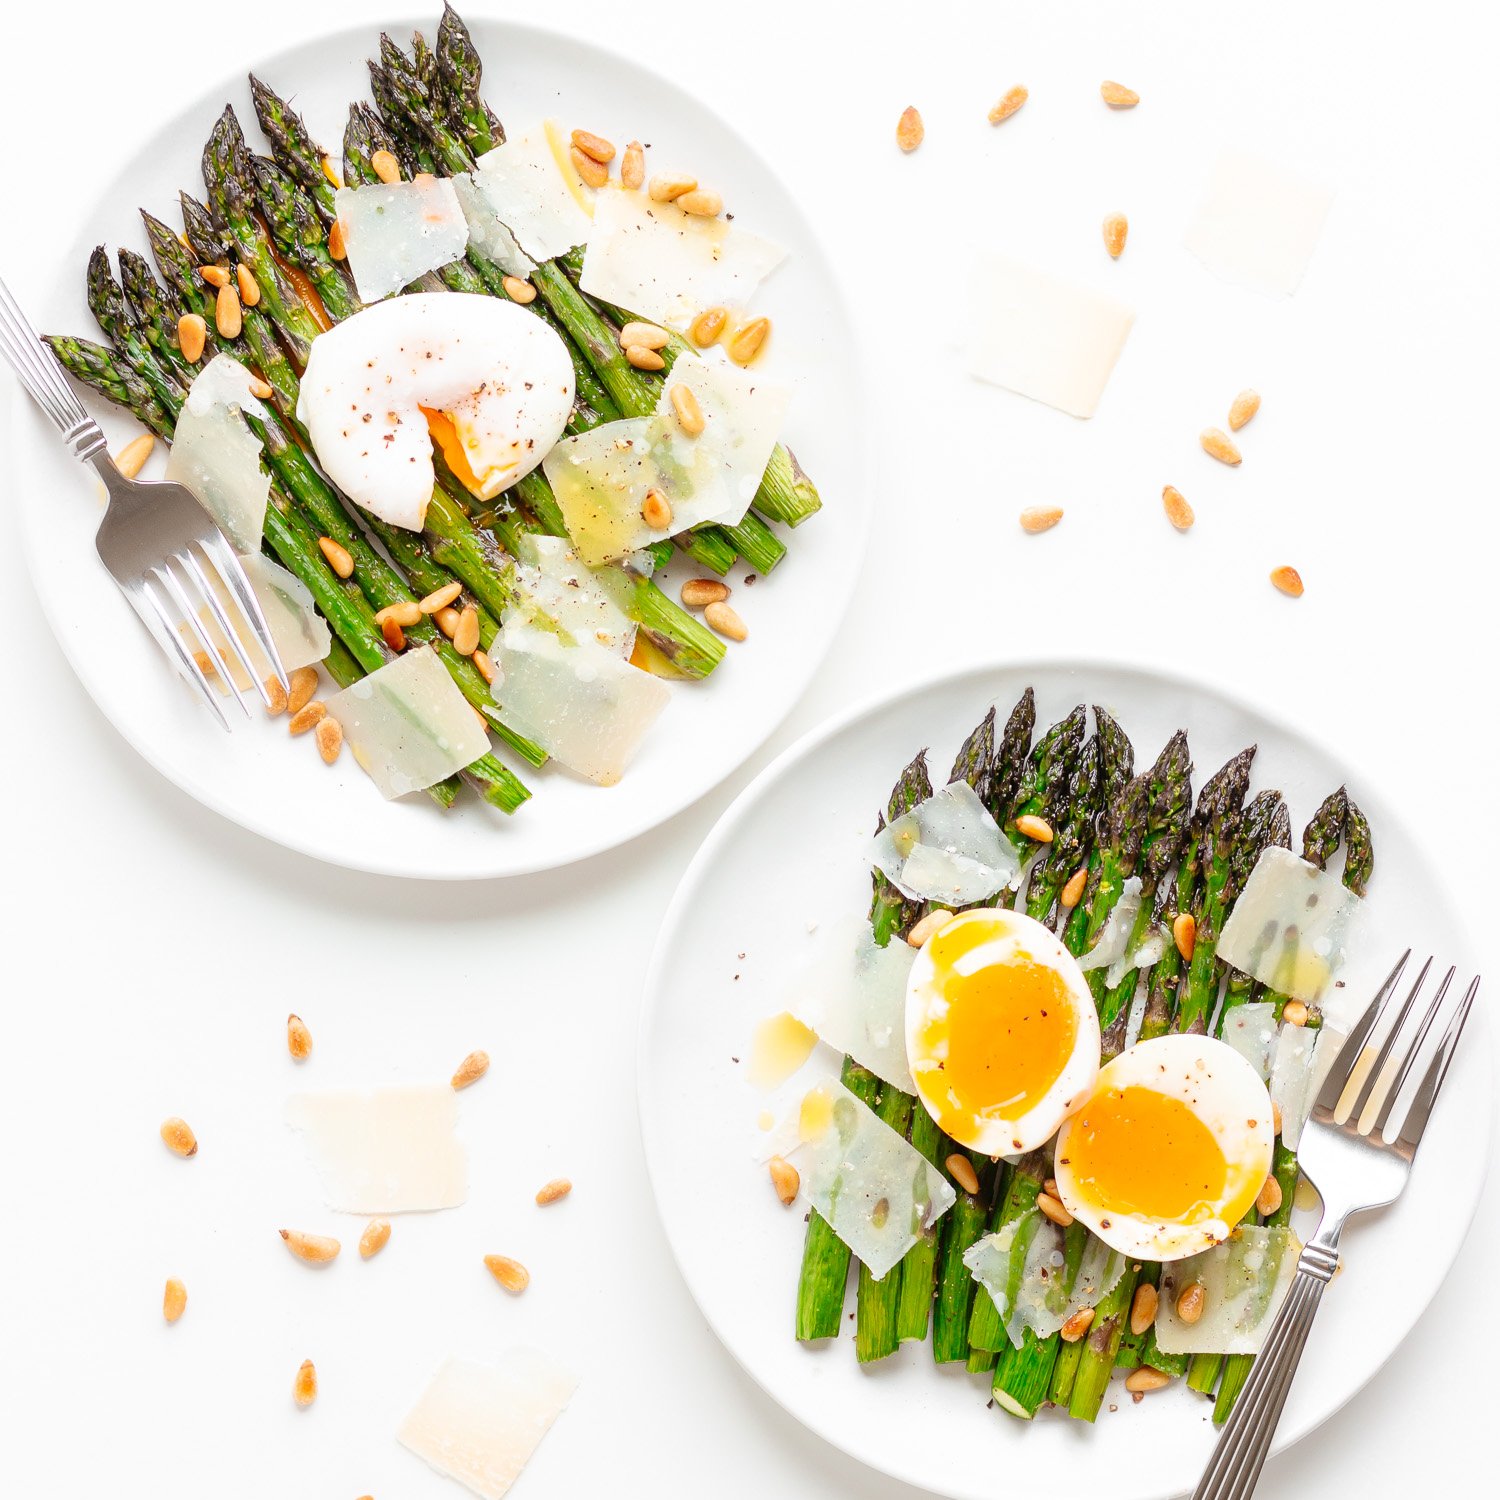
275	697
1294	1013
227	318
910	131
260	388
644	335
330	737
305	1386
384	165
928	926
1072	892
484	666
785	1178
466	637
704	203
723	619
131	459
315	1249
1008	103
178	1135
1117	96
298	1037
1244	406
1034	827
215	276
1190	1303
337	249
1288	580
1268	1200
1143	1308
376	1237
633	166
685	405
1050	1187
518	290
1116	227
471	1069
961	1170
303	684
248	285
708	325
446	620
1275	1118
511	1274
192	334
306	718
746	340
550	1192
1179	512
1145	1379
667	187
643	358
173	1300
393	635
1053	1210
423	179
1185	934
594	146
440	598
1076	1326
1218	445
594	174
205	664
1040	518
406	612
337	555
697	592
656	511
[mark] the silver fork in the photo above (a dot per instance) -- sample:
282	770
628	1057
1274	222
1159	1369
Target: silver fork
1357	1150
157	541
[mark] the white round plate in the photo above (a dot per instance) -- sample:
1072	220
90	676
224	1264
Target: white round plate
281	789
789	853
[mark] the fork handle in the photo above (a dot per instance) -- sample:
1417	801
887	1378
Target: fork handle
1246	1440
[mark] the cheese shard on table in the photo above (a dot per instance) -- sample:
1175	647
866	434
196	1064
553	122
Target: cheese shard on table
661	263
947	849
408	725
480	1424
877	1192
215	454
396	232
1244	1280
386	1150
1259	223
1043	337
1292	926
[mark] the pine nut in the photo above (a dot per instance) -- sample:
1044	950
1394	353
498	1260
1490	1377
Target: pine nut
315	1249
471	1069
131	459
227	318
643	358
593	173
298	1037
703	203
644	336
633	166
1076	1326
337	555
305	1386
1053	1209
1143	1380
1117	96
205	664
1185	934
1143	1308
1217	445
303	684
721	618
1050	1187
1276	1118
261	388
668	187
1116	227
656	511
405	612
466	637
1034	827
439	598
1179	512
1040	518
173	1300
550	1192
384	165
1268	1200
1072	892
518	291
511	1274
1244	406
337	249
248	285
1007	104
745	342
215	276
594	146
484	666
1294	1013
685	405
910	131
785	1178
192	334
306	718
708	325
928	926
697	592
179	1137
376	1237
393	635
1190	1303
1288	580
446	620
276	699
329	735
961	1170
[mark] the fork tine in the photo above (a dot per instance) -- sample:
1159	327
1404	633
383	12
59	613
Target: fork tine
170	642
1398	1062
1424	1079
1383	1026
221	558
194	568
205	640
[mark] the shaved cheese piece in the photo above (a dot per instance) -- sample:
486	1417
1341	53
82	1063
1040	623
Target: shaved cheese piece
1244	1280
947	848
408	724
1153	945
1044	337
487	234
528	201
391	1150
1114	937
667	265
217	457
395	232
554	585
877	1192
1292	1078
1259	224
1251	1030
298	632
854	997
1291	927
480	1424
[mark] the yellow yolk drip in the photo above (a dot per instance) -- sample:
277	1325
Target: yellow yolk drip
780	1046
445	435
815	1115
559	145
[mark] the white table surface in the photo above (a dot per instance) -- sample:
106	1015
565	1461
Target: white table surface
154	950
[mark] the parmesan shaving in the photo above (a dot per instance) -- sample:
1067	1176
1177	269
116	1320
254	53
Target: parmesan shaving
1251	1030
524	201
1114	937
1293	1079
557	587
396	232
947	849
1243	1279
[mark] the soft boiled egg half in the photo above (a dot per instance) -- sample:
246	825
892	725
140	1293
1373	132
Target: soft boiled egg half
1002	1037
488	381
1170	1149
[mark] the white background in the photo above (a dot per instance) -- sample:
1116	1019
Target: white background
154	950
